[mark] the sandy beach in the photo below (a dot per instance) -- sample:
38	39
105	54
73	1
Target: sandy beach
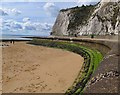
35	69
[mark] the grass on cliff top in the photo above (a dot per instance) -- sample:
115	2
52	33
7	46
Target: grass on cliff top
79	15
92	58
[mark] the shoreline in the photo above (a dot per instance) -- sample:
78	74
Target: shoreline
100	45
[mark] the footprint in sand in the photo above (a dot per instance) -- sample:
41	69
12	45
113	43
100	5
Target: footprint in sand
8	79
48	74
49	89
38	77
21	88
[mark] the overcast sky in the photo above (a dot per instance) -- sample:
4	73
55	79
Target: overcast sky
32	18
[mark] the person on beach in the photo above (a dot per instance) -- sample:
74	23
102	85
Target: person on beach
12	41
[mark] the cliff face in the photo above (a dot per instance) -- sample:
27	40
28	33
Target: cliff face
61	24
100	19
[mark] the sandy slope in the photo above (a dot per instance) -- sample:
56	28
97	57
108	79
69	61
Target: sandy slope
29	68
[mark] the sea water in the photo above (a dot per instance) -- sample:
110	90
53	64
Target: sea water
14	37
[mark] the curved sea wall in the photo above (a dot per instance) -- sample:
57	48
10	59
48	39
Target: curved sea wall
104	79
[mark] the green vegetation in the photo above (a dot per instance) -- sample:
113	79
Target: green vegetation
114	18
92	35
79	15
92	58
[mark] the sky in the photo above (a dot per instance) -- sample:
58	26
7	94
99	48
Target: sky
33	17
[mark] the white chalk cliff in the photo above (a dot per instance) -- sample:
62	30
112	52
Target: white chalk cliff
100	19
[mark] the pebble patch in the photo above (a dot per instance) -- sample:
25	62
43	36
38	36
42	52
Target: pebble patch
103	76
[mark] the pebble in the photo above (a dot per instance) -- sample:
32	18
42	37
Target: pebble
102	76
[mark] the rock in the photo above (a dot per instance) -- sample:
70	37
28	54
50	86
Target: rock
104	20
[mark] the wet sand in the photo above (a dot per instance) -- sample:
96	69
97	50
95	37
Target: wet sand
36	69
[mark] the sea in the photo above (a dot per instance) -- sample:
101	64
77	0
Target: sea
17	37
